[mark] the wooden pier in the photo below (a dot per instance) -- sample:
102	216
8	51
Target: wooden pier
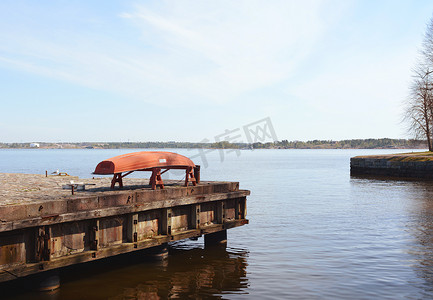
46	227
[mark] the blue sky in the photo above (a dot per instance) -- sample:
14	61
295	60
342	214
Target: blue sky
188	70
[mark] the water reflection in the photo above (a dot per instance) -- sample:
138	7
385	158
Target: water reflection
421	227
194	273
410	208
190	272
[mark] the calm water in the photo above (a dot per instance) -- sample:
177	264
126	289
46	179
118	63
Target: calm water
314	233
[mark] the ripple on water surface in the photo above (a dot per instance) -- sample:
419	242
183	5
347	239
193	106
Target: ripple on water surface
314	233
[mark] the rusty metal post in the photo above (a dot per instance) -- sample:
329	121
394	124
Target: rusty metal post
197	173
117	178
189	176
155	179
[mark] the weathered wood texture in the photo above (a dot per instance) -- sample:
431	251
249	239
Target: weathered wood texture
50	229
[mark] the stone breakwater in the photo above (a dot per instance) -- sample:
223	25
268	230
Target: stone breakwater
403	166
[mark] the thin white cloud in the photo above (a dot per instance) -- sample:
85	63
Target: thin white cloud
246	46
185	52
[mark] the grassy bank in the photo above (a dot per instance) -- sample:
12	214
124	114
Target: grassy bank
404	157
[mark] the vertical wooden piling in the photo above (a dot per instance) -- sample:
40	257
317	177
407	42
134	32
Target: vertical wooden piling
195	216
217	238
166	221
94	235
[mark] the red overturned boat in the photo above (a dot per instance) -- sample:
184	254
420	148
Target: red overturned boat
154	161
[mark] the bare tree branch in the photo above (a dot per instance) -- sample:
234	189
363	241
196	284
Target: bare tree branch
419	105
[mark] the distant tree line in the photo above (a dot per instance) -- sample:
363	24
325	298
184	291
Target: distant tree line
384	143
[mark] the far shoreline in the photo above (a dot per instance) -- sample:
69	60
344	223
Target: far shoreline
212	148
383	144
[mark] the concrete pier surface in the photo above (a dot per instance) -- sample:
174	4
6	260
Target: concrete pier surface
415	165
49	222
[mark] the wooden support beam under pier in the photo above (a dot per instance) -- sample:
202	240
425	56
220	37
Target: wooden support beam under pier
49	228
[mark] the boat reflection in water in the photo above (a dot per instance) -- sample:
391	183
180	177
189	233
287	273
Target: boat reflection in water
189	272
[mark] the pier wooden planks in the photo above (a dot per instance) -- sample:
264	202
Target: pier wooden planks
43	226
